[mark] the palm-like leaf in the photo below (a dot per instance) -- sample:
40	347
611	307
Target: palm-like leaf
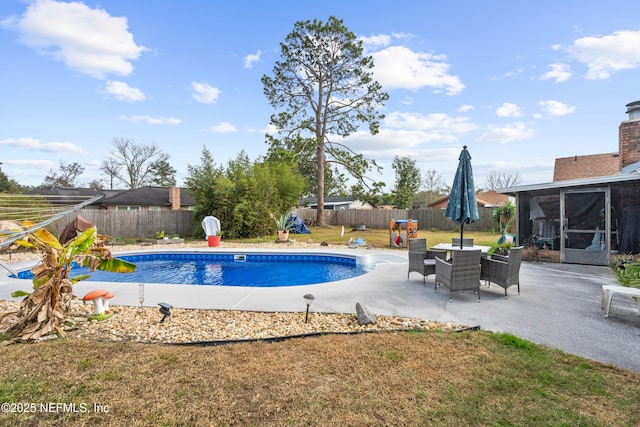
117	265
43	310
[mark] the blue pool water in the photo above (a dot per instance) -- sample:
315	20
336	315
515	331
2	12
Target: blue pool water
256	270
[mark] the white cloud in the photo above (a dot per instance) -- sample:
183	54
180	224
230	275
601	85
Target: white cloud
223	127
39	165
399	67
556	108
86	40
513	132
606	55
151	120
390	140
122	91
93	164
464	108
403	36
270	129
376	41
432	122
557	72
205	93
33	144
519	71
409	133
251	59
407	100
509	110
401	142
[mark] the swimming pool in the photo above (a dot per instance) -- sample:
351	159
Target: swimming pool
229	269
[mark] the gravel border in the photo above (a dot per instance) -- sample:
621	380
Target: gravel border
142	324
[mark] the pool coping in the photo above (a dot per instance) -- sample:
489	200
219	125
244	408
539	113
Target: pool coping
277	299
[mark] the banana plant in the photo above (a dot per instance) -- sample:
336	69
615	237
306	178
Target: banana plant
44	310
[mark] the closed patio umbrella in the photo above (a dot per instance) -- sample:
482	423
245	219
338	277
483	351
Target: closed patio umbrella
463	207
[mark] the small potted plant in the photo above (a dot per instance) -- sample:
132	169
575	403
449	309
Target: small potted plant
505	214
283	225
501	251
505	247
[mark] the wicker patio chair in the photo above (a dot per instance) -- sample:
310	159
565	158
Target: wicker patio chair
455	241
461	274
503	271
422	260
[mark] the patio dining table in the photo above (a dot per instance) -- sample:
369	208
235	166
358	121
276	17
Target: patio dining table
449	247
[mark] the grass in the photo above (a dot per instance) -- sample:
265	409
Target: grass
393	378
377	238
399	378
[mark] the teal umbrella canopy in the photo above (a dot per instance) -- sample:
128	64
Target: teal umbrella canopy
463	207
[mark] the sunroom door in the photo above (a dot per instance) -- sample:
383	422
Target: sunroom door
585	226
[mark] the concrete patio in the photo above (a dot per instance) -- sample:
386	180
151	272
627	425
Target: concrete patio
559	304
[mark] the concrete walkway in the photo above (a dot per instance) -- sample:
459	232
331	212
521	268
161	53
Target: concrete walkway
559	304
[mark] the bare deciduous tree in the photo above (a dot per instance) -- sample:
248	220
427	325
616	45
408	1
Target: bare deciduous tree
111	167
68	172
137	160
497	180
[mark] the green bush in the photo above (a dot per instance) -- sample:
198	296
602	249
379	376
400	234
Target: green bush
243	195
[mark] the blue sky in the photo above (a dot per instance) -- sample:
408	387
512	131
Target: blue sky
519	83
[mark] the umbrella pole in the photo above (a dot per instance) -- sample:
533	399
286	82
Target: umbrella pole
461	233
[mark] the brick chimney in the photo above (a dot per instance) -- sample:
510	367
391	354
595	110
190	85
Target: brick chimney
629	136
174	198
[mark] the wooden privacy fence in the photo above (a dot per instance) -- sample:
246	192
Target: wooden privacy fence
133	224
428	219
145	223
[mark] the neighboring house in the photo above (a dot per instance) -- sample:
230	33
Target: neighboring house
335	203
589	166
593	203
485	199
142	198
149	198
67	196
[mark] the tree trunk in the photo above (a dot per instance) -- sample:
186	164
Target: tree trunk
320	178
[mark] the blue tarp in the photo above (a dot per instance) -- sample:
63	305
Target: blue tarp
299	226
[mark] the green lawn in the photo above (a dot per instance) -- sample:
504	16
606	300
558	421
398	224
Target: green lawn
377	238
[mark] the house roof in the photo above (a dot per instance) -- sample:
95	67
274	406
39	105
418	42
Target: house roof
64	191
483	199
582	182
492	197
65	195
148	196
589	166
